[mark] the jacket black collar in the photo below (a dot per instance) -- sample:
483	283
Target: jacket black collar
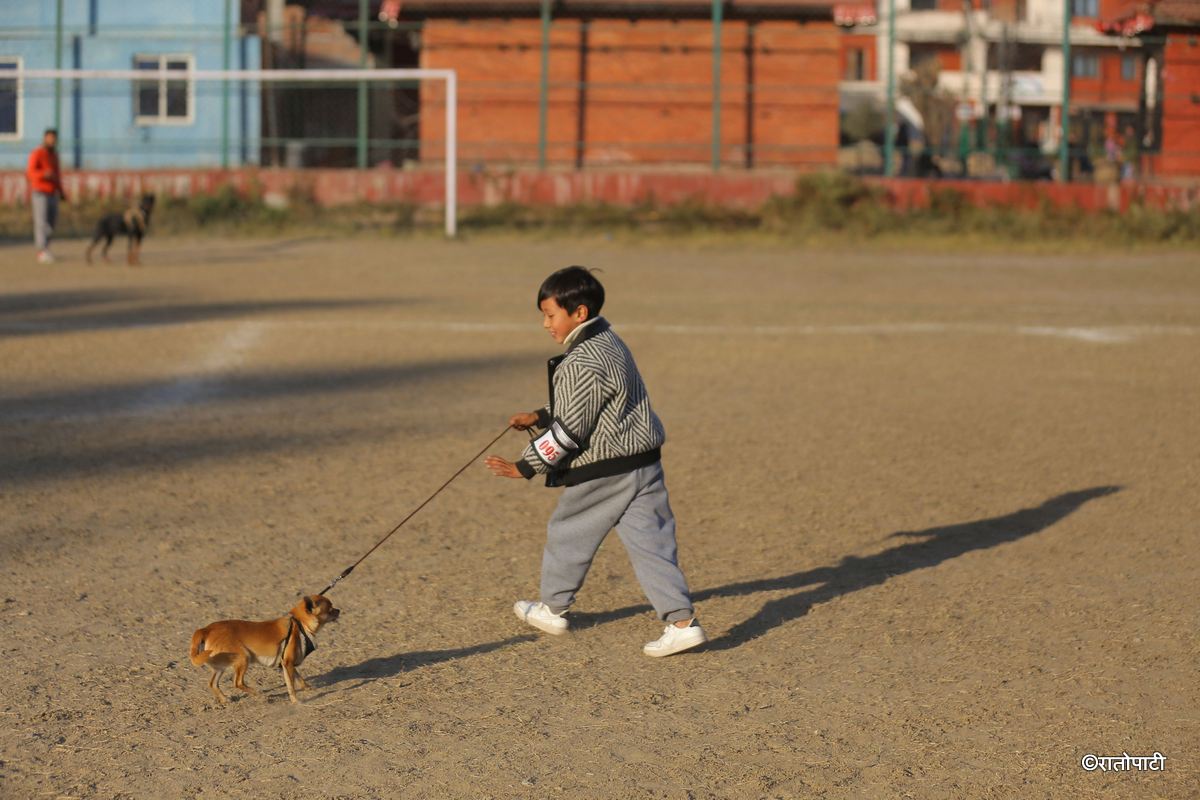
596	328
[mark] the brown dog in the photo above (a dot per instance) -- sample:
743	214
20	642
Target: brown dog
282	642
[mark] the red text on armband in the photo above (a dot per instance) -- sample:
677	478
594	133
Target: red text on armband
548	449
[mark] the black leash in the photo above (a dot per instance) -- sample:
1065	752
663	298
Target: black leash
413	513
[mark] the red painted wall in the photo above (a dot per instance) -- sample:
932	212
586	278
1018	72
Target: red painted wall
744	189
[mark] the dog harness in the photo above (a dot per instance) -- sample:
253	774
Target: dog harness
309	644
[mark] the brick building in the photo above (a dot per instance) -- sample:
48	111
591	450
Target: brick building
631	82
1171	99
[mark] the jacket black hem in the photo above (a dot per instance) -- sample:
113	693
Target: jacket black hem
604	469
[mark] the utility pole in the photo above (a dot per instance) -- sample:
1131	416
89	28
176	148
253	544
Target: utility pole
717	19
1064	144
364	46
58	48
889	118
226	46
544	87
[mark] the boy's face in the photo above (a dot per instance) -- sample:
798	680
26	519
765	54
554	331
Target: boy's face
558	322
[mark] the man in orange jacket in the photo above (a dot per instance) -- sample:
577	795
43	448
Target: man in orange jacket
45	190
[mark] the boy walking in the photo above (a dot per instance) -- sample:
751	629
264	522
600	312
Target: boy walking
45	190
602	442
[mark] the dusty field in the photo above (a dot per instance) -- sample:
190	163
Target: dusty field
939	514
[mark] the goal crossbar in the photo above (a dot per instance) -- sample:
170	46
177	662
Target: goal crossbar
292	76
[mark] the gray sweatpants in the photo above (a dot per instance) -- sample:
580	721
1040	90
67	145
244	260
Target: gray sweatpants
45	215
636	505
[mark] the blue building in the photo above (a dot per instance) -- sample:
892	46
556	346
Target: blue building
128	124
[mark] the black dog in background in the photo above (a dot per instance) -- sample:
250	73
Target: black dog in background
132	223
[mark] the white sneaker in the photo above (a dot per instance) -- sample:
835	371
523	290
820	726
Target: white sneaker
676	640
44	257
540	616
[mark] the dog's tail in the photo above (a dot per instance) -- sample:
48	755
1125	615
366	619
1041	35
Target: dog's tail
197	654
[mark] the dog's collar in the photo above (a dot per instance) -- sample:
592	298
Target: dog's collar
309	644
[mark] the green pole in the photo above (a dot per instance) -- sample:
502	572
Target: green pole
363	49
58	48
717	10
225	84
889	116
544	86
1064	146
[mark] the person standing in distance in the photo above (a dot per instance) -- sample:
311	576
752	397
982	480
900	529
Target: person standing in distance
45	190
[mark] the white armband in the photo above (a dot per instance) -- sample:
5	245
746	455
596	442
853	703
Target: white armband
554	445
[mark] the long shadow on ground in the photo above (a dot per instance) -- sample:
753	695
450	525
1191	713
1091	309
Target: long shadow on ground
26	303
143	397
47	314
932	547
125	444
389	666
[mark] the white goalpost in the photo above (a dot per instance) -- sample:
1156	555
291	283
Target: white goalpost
339	77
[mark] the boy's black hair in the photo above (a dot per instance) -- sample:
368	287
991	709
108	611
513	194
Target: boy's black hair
50	130
572	287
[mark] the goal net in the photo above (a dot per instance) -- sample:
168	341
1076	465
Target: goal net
164	114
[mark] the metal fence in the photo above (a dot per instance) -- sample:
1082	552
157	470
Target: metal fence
887	93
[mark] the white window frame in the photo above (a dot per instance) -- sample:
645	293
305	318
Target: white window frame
161	118
20	132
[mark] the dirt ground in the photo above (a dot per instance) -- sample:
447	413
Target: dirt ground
939	513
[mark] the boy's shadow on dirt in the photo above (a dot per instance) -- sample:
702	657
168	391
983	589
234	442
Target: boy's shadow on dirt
390	666
932	547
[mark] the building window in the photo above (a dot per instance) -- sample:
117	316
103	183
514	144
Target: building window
1085	65
159	101
10	99
1017	56
941	56
1129	68
856	64
1085	8
923	5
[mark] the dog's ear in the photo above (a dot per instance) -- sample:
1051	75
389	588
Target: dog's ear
308	604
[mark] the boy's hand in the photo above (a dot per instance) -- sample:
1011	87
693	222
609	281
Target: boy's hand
503	468
523	421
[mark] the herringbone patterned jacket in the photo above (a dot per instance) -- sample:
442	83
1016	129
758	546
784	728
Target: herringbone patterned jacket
599	421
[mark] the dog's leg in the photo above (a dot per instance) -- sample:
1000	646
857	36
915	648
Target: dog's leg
239	675
107	244
300	678
212	684
288	671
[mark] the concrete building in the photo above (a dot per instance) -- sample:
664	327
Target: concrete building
126	124
1001	63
